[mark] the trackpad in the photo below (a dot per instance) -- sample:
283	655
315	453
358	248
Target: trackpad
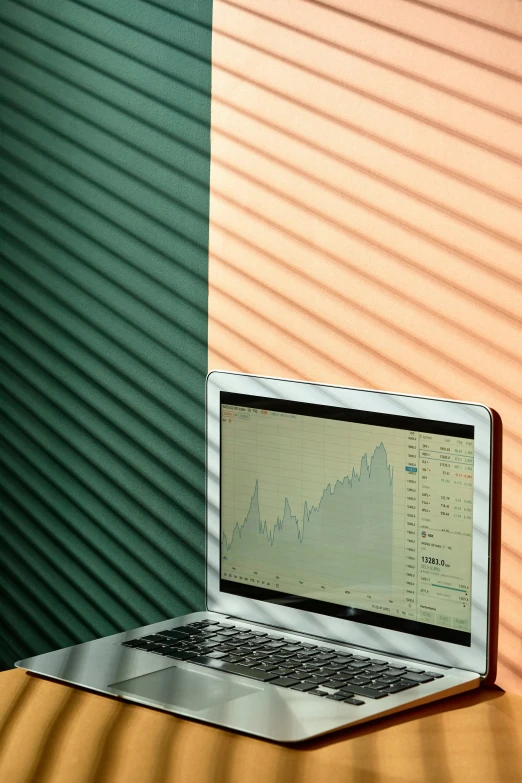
174	687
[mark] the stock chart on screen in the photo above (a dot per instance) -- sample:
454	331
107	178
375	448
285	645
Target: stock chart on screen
355	514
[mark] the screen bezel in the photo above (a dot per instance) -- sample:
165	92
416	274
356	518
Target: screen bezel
472	658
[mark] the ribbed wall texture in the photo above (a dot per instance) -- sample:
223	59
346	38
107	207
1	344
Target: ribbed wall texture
104	225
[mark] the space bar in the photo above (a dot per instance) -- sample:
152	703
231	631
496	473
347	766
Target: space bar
233	668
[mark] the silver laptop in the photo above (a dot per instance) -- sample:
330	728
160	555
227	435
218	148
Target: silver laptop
348	565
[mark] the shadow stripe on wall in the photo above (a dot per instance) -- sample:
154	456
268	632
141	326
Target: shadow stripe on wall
134	487
487	302
66	508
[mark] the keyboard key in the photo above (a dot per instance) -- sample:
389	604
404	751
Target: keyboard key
387	680
233	668
303	686
398	670
370	693
360	658
340	683
355	702
284	682
212	654
317	680
434	675
399	686
282	673
243	650
146	646
335	696
179	655
155	637
361	680
209	644
413	677
175	634
317	693
415	670
335	685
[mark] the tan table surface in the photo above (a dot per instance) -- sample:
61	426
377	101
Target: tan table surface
53	733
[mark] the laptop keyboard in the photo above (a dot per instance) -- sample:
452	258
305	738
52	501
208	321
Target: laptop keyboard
267	657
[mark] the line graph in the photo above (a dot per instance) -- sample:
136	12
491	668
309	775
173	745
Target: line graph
350	529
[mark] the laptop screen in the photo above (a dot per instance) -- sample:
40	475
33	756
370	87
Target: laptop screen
357	515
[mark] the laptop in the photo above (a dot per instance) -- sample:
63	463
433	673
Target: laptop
350	565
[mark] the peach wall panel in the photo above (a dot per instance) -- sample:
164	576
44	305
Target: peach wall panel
366	210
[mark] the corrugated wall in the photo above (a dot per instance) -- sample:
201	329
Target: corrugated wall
104	175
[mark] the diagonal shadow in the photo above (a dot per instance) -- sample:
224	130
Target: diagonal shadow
365	204
214	97
351	87
32	556
383	140
374	60
401	259
40	531
465	18
24	387
145	532
145	425
140	615
408	37
353	304
38	355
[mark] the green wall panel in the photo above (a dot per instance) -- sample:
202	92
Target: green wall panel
104	178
